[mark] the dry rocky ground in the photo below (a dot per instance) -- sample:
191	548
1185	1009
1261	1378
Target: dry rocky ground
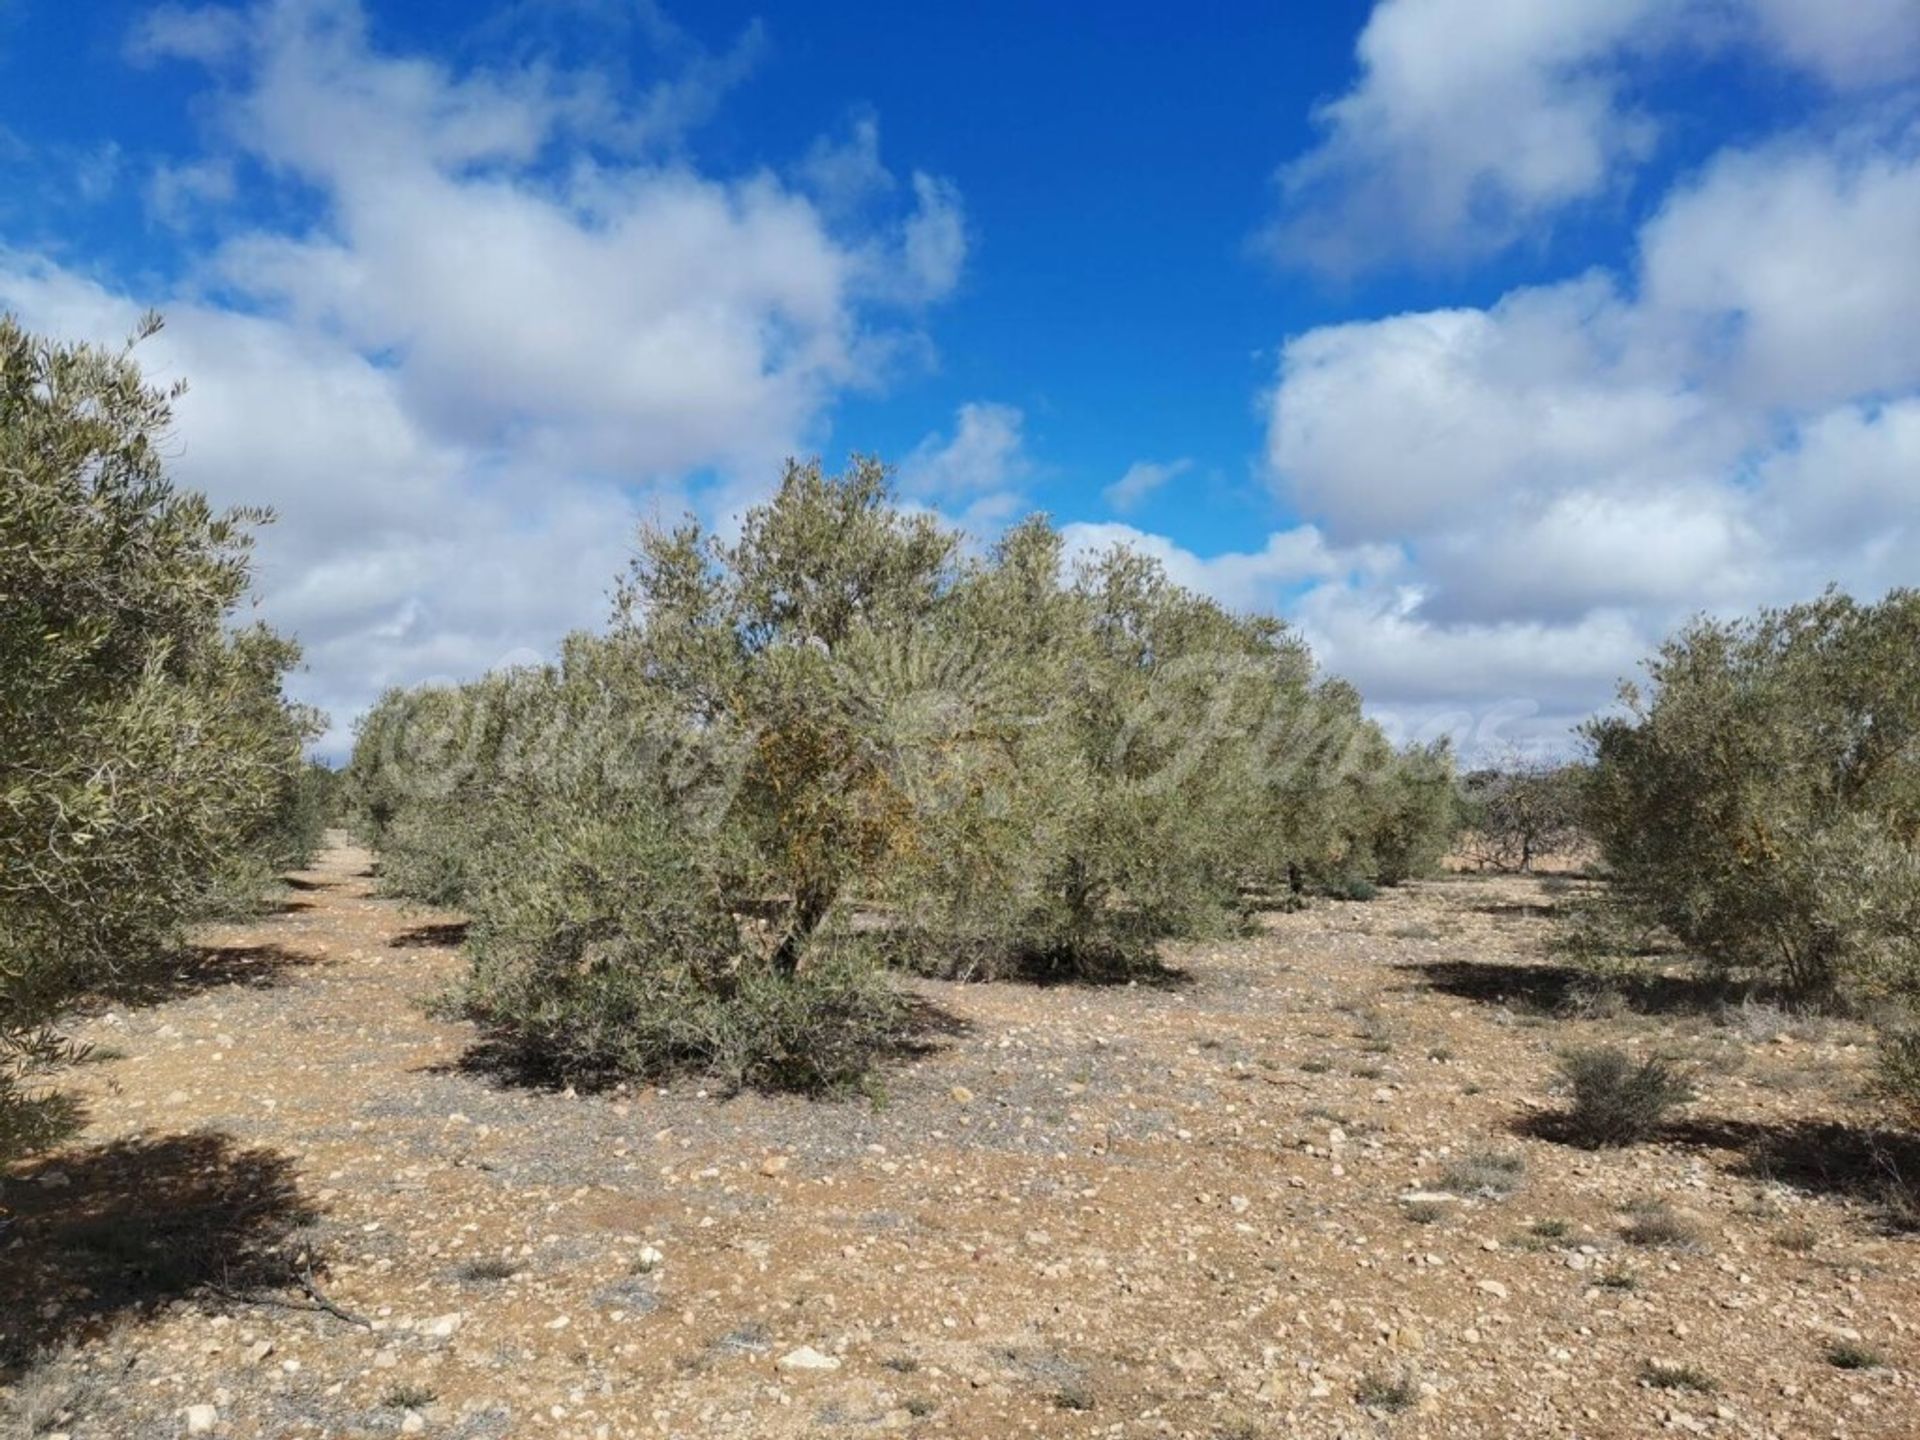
1153	1211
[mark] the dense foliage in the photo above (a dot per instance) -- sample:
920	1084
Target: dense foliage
149	766
1617	1100
1761	800
838	741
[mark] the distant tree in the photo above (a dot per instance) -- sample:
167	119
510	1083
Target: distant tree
1520	810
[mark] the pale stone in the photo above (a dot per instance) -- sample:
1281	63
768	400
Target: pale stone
808	1358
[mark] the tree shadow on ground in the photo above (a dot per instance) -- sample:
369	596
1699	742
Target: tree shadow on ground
96	1235
1043	969
503	1060
197	969
448	935
294	882
1865	1163
1564	989
1046	973
1518	909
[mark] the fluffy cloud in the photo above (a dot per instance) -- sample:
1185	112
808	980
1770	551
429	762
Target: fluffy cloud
1577	467
1788	270
1471	119
1473	123
975	473
1142	479
1856	44
514	317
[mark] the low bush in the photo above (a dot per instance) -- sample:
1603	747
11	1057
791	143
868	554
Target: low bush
1489	1174
1671	1375
1654	1226
603	946
1617	1100
1899	1072
1852	1355
1388	1389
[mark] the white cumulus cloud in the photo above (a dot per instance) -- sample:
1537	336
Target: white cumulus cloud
513	316
1142	479
974	474
1474	124
1576	468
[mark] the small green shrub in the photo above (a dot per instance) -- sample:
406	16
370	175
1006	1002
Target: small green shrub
1616	1101
1391	1390
1667	1375
1076	1395
1654	1226
1797	1239
1851	1355
606	951
1899	1072
1490	1174
486	1268
408	1395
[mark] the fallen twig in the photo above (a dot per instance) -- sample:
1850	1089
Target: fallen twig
304	1279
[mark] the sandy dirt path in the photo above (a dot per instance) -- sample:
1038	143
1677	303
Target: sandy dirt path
1138	1211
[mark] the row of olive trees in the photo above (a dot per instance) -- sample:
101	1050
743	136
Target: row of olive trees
840	741
150	768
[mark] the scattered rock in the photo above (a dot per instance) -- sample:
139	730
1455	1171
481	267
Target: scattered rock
808	1358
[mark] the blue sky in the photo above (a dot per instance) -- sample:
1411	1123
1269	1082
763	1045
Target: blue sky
1483	339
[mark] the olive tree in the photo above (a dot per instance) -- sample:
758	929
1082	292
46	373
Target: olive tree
147	755
839	740
1521	810
1760	796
